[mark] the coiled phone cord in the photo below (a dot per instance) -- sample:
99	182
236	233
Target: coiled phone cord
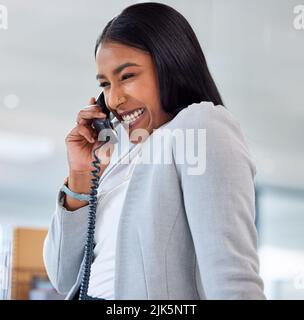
89	246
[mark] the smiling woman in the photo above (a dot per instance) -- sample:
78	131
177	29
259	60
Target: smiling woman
161	232
131	90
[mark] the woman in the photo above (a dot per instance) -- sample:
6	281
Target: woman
163	231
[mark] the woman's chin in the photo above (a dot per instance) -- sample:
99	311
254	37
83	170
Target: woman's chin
138	135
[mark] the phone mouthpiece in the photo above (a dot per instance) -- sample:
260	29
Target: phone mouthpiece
105	130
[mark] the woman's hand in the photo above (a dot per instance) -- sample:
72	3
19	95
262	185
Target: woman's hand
80	143
82	139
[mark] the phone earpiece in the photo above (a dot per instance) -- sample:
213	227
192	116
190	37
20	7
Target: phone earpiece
104	127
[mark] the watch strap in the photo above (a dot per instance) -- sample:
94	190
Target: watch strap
75	195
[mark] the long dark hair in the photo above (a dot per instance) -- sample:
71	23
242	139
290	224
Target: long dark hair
182	70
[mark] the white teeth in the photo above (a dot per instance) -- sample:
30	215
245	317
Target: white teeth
132	116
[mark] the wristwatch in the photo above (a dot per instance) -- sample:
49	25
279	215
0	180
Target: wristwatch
75	195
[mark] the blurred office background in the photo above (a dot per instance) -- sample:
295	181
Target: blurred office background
47	73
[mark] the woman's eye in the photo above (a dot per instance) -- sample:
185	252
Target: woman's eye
124	77
127	75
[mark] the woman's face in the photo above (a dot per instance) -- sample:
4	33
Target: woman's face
131	91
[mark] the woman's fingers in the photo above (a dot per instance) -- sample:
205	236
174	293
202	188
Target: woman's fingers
92	101
87	132
86	115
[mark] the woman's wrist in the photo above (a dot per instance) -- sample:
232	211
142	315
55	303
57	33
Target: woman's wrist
79	182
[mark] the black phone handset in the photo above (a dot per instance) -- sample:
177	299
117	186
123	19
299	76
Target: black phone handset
104	127
106	132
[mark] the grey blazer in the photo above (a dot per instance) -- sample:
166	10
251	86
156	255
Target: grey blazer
181	235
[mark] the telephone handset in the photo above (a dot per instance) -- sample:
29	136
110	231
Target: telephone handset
104	127
106	132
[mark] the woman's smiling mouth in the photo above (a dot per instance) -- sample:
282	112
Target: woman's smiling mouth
131	119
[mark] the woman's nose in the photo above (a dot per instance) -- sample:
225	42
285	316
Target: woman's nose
115	98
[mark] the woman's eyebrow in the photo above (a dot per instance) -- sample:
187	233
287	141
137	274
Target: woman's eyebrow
118	69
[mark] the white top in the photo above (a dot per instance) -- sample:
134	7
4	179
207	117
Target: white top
113	191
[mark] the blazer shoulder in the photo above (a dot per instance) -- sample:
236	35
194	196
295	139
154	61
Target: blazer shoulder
223	130
205	115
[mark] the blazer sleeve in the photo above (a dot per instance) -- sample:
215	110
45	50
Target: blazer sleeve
220	207
63	249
